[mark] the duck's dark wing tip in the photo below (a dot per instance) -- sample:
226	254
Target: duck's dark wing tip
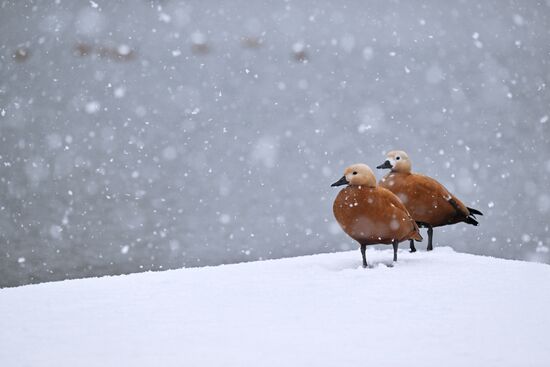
471	220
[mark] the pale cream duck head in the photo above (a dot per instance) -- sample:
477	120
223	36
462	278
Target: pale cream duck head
357	175
397	161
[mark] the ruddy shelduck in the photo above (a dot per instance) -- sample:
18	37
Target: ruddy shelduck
428	201
371	214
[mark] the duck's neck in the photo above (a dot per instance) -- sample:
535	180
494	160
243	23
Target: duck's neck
392	172
361	187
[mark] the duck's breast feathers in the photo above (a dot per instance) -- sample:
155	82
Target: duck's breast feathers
348	197
372	215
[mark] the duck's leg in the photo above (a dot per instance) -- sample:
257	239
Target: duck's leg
430	236
413	249
363	253
395	244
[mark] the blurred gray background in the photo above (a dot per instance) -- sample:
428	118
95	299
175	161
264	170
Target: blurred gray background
147	135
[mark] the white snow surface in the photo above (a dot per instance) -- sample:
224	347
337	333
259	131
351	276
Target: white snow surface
431	309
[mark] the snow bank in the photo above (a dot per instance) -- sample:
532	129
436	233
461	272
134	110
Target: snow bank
431	309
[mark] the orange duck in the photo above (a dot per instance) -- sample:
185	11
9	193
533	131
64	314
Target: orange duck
371	214
428	201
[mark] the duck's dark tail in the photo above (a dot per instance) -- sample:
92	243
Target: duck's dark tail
471	219
474	211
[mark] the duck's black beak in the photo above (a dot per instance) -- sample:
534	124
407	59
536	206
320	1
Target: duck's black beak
386	164
340	182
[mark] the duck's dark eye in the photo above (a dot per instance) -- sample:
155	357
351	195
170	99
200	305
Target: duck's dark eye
397	158
354	172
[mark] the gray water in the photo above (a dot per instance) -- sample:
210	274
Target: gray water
143	135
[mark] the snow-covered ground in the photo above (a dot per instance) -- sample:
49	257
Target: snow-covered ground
431	309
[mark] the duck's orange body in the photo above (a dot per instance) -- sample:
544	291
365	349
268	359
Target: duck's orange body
372	215
428	201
